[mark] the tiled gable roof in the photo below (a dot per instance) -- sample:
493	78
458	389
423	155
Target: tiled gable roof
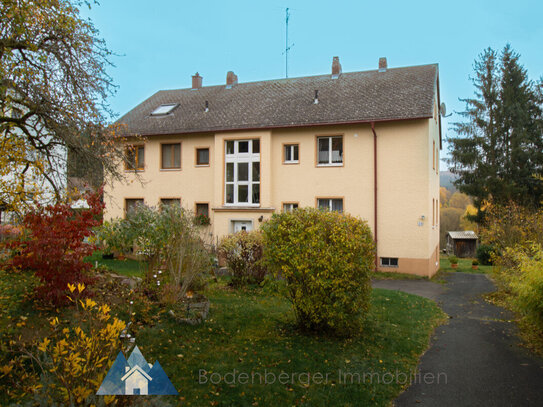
397	94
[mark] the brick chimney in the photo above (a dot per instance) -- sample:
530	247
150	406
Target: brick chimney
336	67
383	64
231	78
196	81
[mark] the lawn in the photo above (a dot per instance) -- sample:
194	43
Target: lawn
126	267
464	266
390	275
251	332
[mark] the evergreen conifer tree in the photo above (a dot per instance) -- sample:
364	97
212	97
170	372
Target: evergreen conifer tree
497	151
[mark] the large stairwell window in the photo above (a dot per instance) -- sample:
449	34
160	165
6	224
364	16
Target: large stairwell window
242	172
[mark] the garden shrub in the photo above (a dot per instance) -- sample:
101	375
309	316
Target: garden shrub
243	254
526	282
484	254
52	245
113	237
511	225
187	260
326	259
68	366
171	243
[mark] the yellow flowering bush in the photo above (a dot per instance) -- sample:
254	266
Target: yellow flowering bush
67	367
326	259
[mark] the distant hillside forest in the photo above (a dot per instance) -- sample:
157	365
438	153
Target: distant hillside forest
446	179
454	206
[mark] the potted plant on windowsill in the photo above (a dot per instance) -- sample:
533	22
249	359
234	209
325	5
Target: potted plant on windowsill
454	261
202	220
475	264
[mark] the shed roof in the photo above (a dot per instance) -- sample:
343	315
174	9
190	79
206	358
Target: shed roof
355	97
464	234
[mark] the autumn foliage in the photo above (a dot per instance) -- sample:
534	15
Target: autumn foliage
325	259
70	363
53	246
243	254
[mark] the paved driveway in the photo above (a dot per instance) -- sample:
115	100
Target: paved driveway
476	357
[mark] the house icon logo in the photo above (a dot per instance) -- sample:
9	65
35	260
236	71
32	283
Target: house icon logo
136	377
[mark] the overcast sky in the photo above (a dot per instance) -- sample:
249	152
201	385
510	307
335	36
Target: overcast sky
161	43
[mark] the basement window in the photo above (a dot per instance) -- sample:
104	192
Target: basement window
389	261
164	109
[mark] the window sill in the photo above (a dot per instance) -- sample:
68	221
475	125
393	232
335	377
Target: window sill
241	205
291	162
330	165
202	165
236	208
170	169
126	170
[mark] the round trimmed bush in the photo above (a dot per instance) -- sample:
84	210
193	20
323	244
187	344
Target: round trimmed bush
326	259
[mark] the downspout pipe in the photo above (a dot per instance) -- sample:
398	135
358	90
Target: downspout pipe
375	192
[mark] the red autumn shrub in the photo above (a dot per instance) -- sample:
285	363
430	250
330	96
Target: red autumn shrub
53	246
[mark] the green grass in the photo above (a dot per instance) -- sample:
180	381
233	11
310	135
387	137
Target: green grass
390	275
464	266
126	267
15	289
251	332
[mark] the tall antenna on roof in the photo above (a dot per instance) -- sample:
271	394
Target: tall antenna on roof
287	46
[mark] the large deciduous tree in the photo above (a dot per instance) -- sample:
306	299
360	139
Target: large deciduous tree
497	151
53	89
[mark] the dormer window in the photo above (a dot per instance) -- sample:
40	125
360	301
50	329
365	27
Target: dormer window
163	110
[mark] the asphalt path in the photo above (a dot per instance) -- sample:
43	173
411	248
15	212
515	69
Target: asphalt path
476	358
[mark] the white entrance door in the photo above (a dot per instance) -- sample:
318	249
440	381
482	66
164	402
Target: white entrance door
240	225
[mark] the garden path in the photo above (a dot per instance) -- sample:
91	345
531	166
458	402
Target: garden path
476	358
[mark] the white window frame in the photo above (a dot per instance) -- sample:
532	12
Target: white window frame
237	158
388	259
164	110
291	147
330	203
330	141
249	223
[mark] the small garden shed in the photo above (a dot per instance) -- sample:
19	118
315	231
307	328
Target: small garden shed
462	243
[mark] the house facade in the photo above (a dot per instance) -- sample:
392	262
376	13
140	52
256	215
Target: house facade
365	143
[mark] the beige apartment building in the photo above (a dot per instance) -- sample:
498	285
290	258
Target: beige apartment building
365	143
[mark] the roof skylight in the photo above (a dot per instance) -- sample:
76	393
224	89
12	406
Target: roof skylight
164	109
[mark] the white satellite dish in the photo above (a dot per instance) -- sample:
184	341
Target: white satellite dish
443	109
